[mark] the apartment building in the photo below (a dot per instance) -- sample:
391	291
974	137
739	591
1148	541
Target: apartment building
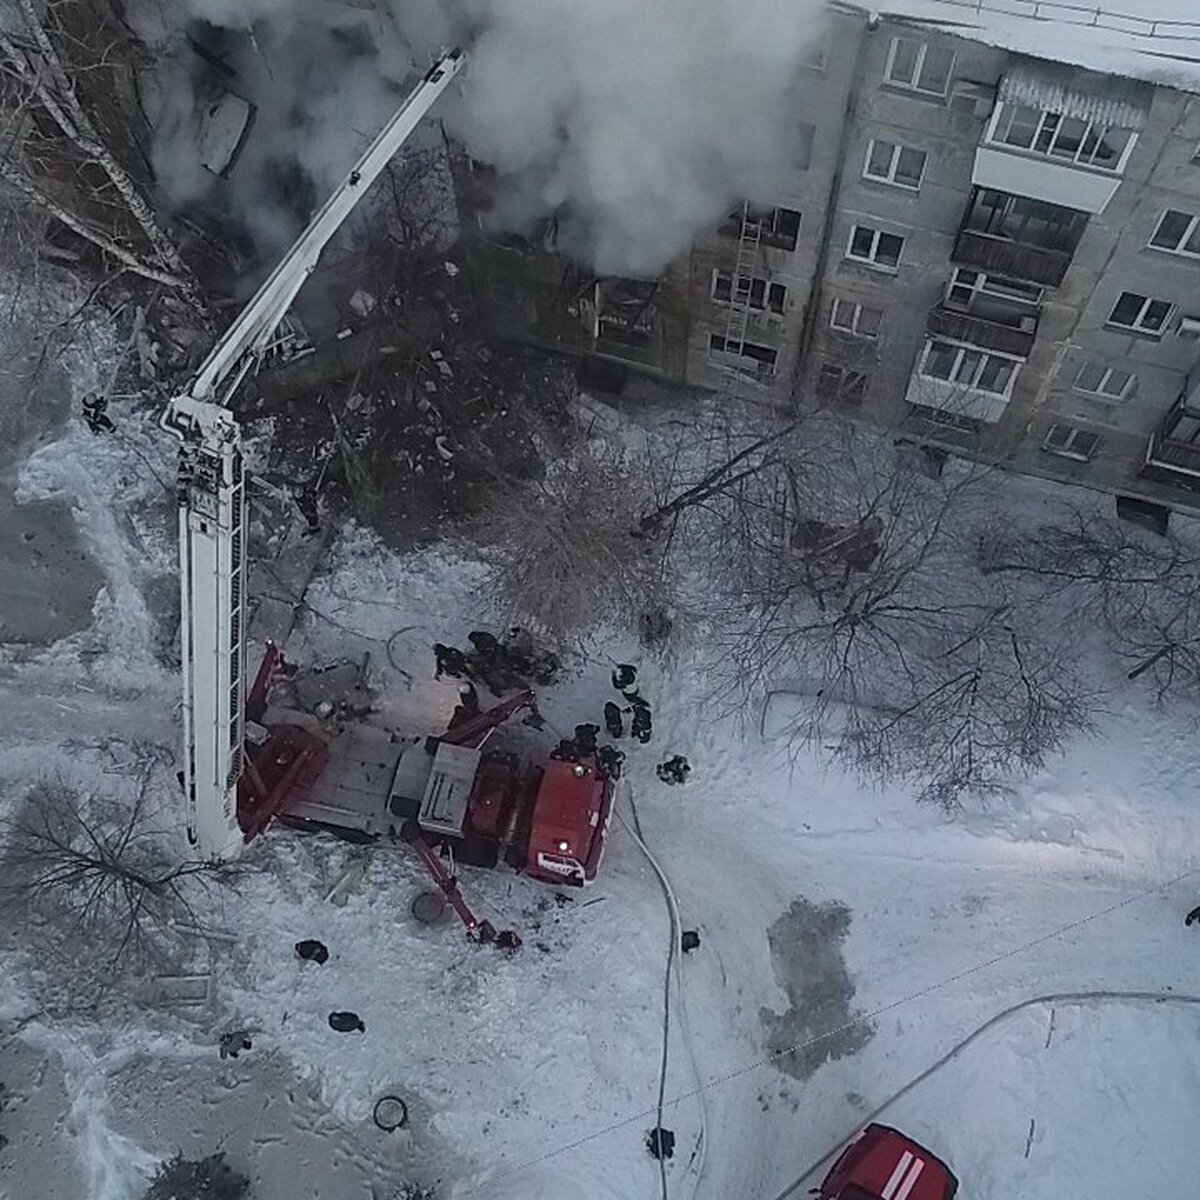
979	249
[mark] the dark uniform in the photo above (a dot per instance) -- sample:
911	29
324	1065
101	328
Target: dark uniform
611	760
641	725
450	661
613	721
95	413
585	739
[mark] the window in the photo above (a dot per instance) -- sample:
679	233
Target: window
1140	314
994	297
873	246
919	66
1178	232
1097	379
757	292
857	319
1087	143
1032	222
777	227
1069	441
805	133
968	367
763	355
841	385
890	163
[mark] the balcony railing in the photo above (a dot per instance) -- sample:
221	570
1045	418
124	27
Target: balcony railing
974	330
1018	260
1170	453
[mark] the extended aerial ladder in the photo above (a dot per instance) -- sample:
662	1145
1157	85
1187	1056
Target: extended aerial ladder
212	499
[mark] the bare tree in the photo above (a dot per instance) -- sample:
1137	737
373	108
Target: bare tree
592	540
55	155
100	868
850	583
210	1178
1143	590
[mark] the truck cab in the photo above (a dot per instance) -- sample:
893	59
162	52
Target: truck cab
568	821
881	1163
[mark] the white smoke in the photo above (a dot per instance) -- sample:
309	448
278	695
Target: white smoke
638	122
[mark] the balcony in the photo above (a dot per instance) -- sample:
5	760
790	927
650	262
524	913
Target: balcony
1001	256
1174	446
1013	341
1061	134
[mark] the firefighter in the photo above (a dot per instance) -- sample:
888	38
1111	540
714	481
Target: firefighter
1193	916
467	706
306	502
346	1022
95	413
614	722
674	770
641	726
233	1043
487	648
517	651
544	668
567	750
450	661
486	662
624	679
585	739
611	760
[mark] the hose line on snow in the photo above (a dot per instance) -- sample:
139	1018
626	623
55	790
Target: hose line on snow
959	1047
676	923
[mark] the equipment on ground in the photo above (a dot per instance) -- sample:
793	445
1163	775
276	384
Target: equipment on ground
444	795
881	1163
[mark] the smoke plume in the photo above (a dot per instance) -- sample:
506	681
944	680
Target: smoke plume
637	122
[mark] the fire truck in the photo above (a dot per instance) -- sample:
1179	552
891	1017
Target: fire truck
881	1163
245	765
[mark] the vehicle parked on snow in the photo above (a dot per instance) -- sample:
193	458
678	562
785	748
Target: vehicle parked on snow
881	1163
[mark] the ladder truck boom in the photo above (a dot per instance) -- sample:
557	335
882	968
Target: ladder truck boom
212	498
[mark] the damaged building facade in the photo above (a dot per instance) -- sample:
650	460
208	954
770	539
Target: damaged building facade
983	251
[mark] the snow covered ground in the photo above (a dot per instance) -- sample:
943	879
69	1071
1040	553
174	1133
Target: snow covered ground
849	938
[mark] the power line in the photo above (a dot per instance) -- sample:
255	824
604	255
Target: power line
882	1010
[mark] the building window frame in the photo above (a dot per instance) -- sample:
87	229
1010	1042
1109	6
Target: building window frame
975	283
855	326
1070	441
758	292
871	258
970	365
1051	135
1187	244
765	358
1139	325
897	54
889	175
838	383
1107	370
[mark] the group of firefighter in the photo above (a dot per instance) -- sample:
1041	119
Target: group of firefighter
513	660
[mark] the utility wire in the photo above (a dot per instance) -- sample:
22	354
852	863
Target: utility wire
978	1032
891	1006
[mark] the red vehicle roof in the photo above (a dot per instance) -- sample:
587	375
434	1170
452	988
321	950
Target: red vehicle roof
569	808
884	1164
